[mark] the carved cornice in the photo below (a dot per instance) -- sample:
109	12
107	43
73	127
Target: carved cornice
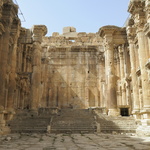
109	30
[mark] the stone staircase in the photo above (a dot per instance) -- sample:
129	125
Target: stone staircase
26	121
69	121
109	124
74	121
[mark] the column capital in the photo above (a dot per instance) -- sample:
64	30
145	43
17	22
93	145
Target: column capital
10	10
38	32
16	26
131	33
140	22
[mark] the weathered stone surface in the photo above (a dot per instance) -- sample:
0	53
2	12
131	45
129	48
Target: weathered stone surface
108	70
74	142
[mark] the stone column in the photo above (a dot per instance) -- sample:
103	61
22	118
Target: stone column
135	102
38	32
143	57
9	11
121	51
111	79
122	73
12	76
107	33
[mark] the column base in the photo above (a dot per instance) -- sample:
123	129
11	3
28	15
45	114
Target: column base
113	112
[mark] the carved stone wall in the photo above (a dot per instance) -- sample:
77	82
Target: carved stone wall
109	69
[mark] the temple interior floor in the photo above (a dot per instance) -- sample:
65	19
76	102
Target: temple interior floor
74	142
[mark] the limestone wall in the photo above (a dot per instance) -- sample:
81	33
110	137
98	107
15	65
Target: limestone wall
109	69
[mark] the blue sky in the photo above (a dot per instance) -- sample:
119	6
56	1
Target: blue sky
84	15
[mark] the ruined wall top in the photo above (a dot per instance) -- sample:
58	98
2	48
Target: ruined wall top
70	37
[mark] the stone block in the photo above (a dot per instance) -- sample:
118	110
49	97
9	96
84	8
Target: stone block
69	29
55	34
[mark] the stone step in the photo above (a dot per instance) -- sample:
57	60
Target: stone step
29	131
121	124
74	121
73	130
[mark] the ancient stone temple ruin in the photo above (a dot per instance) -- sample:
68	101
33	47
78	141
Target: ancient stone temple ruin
103	75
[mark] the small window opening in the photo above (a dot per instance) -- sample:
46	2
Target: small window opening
72	41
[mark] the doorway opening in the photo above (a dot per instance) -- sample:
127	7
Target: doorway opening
124	111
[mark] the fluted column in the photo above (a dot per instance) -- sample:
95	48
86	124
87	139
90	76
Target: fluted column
38	32
135	102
